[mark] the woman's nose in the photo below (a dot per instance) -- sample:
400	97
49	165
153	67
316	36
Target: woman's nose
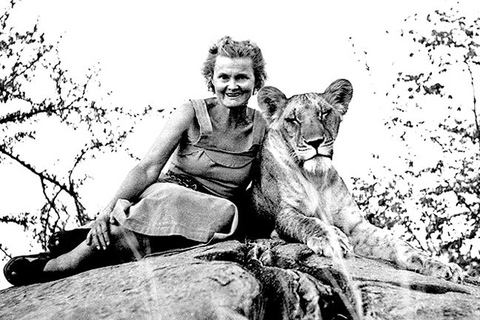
232	84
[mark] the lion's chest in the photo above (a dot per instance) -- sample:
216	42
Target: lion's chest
286	187
310	198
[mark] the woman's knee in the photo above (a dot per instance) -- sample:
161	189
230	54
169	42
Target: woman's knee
127	241
117	231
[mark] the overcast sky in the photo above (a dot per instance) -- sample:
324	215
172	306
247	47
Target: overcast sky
151	52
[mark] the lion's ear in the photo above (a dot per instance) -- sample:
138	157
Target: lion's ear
339	94
272	102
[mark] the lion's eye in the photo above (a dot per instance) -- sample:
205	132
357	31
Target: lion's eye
292	120
325	114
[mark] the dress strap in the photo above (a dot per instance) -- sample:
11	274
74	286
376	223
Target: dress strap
259	128
203	118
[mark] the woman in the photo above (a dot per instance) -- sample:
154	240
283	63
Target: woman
213	143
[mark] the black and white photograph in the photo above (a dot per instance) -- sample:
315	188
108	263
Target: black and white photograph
255	160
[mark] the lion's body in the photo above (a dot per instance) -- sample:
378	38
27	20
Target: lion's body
301	192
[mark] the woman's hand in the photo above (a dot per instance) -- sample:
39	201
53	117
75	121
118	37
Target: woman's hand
99	235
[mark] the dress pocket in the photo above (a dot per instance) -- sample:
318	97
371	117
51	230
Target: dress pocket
229	160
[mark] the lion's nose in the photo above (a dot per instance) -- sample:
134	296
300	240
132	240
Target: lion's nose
315	143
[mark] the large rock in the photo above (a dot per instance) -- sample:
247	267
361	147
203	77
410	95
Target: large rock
265	279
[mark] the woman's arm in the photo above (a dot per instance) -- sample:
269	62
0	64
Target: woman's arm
145	172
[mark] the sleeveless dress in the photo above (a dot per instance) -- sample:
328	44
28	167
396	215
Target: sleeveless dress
197	197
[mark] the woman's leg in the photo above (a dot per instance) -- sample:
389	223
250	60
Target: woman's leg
125	246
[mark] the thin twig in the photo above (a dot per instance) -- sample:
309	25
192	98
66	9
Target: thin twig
477	123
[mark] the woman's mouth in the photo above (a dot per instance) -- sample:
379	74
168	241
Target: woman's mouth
233	94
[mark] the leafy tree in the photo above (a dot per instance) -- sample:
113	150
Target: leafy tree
37	97
433	198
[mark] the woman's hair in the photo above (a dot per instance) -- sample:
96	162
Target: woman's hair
230	48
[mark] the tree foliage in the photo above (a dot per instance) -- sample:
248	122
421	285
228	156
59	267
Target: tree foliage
433	198
37	97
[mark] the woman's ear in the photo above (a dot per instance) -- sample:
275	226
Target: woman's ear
272	102
339	94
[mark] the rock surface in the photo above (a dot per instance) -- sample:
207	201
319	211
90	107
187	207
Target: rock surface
265	279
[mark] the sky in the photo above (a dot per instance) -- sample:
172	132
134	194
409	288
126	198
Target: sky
151	52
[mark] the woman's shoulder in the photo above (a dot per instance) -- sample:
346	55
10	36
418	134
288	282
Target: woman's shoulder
191	107
259	118
182	114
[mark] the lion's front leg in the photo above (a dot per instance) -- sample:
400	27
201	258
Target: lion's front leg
373	242
332	242
322	238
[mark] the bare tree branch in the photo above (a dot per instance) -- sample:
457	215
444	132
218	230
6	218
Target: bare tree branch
474	107
42	175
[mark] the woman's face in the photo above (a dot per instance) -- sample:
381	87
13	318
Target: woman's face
233	81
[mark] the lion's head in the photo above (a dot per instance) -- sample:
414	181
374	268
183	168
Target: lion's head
308	122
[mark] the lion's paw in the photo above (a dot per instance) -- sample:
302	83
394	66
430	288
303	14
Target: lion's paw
447	271
332	243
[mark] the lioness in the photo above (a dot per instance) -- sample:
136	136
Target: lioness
298	187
